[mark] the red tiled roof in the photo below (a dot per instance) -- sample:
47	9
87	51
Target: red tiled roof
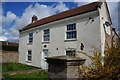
72	12
9	43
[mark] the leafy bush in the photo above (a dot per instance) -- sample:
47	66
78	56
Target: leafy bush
103	68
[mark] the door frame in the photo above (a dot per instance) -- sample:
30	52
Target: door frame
43	63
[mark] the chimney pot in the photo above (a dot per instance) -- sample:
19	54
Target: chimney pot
34	18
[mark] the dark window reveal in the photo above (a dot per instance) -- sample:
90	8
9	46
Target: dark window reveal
70	52
30	37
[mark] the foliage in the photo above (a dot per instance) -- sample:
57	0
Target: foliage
103	67
9	48
8	67
30	76
118	42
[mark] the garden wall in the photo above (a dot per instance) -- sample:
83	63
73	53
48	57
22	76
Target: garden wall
9	56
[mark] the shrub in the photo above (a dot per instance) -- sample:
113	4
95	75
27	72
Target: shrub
103	68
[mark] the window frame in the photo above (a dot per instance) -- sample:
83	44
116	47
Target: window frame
30	37
68	31
29	55
71	51
44	34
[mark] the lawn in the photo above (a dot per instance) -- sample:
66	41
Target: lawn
31	76
11	67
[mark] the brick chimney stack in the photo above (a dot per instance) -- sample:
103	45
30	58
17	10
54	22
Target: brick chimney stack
34	18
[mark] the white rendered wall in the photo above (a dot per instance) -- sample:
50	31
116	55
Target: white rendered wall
88	34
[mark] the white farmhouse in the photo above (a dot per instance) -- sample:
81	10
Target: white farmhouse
79	29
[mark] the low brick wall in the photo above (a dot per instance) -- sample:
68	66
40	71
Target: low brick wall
9	56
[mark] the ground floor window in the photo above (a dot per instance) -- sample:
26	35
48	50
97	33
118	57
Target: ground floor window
70	52
29	55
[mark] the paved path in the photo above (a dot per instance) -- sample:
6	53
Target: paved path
25	71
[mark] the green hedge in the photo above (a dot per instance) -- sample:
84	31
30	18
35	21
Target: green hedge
9	48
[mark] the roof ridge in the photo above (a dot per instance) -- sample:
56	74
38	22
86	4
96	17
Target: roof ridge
74	11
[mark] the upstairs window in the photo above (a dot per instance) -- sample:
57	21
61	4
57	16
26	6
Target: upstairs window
30	37
71	31
46	36
29	56
70	52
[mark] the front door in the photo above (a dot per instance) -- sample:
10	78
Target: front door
45	54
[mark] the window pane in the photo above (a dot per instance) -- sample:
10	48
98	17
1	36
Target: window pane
71	34
71	31
30	34
29	52
71	27
30	39
74	34
68	35
46	38
29	56
70	53
46	31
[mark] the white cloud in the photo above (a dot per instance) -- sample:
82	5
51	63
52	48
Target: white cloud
85	0
39	10
96	0
13	39
3	38
8	19
61	7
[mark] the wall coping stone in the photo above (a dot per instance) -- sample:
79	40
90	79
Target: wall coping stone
64	59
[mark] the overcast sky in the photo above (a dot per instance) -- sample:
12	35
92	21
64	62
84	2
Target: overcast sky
16	15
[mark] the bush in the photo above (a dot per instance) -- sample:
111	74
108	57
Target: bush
103	68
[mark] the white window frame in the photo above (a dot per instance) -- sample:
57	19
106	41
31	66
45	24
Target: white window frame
70	31
30	37
29	55
69	50
46	35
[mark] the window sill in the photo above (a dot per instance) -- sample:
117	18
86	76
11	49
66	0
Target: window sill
45	42
29	43
68	40
28	61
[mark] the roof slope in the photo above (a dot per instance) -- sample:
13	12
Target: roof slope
72	12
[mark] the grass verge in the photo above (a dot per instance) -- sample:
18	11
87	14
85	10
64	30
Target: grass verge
31	76
11	67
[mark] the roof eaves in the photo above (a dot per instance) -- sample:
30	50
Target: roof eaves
60	16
